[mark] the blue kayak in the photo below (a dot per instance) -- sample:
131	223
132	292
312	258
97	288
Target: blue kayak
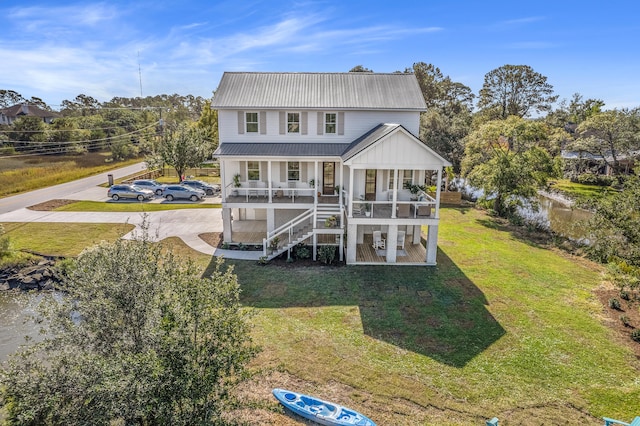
323	412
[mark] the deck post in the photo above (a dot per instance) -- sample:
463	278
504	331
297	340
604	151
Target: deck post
352	243
226	225
392	246
432	244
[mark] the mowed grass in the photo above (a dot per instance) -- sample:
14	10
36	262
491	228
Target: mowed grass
499	328
23	174
580	191
62	239
133	206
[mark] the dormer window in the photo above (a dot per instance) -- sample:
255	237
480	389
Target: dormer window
251	122
293	122
330	122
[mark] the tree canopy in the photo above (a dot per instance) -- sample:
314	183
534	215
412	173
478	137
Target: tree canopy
515	90
185	146
138	338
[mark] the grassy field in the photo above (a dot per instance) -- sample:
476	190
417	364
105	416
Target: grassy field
501	327
581	192
28	173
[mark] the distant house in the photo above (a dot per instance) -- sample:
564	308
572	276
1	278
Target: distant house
328	159
11	114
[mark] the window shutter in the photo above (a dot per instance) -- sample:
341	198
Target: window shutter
320	123
241	122
303	172
264	169
263	122
283	171
341	123
283	123
304	118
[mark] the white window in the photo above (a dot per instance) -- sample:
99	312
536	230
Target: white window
293	122
407	178
330	122
251	122
293	170
253	170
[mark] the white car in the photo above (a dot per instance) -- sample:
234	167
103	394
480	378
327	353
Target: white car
119	191
151	184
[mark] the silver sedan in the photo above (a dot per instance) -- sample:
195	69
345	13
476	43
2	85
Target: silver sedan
117	192
173	192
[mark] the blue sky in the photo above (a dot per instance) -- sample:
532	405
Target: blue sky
57	50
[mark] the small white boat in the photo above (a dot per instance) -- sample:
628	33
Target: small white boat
323	412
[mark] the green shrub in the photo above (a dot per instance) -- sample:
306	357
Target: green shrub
5	244
624	295
635	335
225	246
302	252
625	320
614	303
327	254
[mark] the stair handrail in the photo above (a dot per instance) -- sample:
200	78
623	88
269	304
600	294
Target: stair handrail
289	224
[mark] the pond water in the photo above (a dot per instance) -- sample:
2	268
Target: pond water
564	219
15	311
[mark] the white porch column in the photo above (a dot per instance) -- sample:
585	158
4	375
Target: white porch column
392	243
352	244
360	235
341	248
432	244
316	180
395	194
223	182
315	247
226	225
417	229
269	189
271	219
351	194
438	194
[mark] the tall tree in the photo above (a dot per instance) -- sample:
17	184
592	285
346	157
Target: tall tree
139	338
610	136
504	158
209	123
448	117
184	146
9	98
515	90
360	68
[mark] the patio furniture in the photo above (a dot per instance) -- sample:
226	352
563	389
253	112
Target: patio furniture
378	241
400	243
253	192
402	210
423	210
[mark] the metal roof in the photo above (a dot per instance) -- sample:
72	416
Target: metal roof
281	149
354	90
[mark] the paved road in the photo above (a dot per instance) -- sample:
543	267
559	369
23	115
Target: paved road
186	224
81	189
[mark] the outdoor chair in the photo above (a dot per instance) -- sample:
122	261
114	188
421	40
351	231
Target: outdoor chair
400	243
378	241
253	192
403	210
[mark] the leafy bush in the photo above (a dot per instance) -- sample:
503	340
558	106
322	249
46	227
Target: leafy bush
302	252
635	335
225	245
327	254
624	295
625	320
614	303
5	244
594	179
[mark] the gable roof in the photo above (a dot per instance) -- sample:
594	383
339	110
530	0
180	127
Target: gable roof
354	90
28	110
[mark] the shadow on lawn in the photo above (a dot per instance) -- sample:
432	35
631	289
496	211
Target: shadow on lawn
433	311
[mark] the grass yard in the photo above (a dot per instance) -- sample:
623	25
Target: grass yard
501	327
581	192
62	239
23	174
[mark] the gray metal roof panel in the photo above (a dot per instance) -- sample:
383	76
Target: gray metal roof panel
243	90
281	149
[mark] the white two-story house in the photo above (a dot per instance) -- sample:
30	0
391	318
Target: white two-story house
328	159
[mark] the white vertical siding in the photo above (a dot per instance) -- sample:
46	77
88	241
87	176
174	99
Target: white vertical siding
356	123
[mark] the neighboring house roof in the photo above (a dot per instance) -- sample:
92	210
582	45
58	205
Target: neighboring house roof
584	155
29	110
319	91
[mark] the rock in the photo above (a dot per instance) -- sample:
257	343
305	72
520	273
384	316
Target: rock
4	286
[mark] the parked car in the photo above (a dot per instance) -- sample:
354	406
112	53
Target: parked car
117	192
173	192
209	188
151	184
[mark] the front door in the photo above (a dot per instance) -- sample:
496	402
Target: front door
328	178
370	185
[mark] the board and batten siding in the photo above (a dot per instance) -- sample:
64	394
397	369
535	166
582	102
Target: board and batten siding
356	123
400	151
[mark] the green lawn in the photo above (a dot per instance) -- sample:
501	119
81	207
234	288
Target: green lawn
581	192
99	206
501	327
